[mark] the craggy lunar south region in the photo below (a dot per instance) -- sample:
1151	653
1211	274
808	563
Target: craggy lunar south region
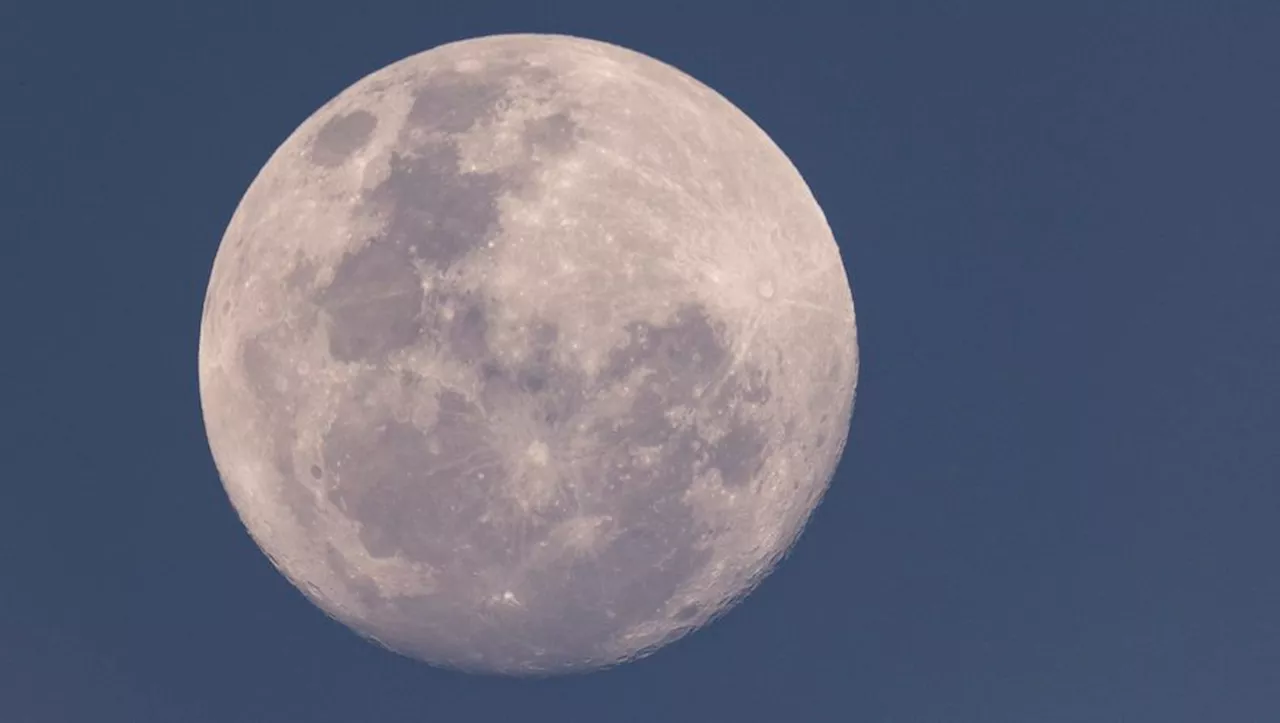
527	354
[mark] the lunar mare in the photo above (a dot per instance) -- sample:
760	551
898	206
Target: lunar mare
527	354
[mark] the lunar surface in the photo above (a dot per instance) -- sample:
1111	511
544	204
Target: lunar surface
527	354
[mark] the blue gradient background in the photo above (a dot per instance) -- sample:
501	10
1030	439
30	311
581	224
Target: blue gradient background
1059	501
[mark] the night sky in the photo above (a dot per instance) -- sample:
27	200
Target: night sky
1059	499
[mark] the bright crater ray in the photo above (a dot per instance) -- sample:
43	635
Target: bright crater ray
527	354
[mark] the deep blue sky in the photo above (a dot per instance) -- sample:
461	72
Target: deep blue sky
1059	501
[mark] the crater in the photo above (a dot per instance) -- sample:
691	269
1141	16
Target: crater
342	136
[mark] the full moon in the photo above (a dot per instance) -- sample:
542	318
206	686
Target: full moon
527	354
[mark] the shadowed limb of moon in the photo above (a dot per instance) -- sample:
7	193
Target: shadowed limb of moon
527	354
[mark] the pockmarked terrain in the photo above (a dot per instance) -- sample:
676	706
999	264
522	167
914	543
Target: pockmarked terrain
527	354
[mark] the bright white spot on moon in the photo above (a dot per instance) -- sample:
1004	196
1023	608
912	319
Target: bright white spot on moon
539	454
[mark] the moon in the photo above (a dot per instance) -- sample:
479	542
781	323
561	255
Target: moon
527	354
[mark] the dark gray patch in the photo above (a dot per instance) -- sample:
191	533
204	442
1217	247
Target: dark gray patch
341	136
316	472
557	392
454	102
739	454
543	335
436	210
689	353
374	302
421	494
646	423
683	355
557	133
